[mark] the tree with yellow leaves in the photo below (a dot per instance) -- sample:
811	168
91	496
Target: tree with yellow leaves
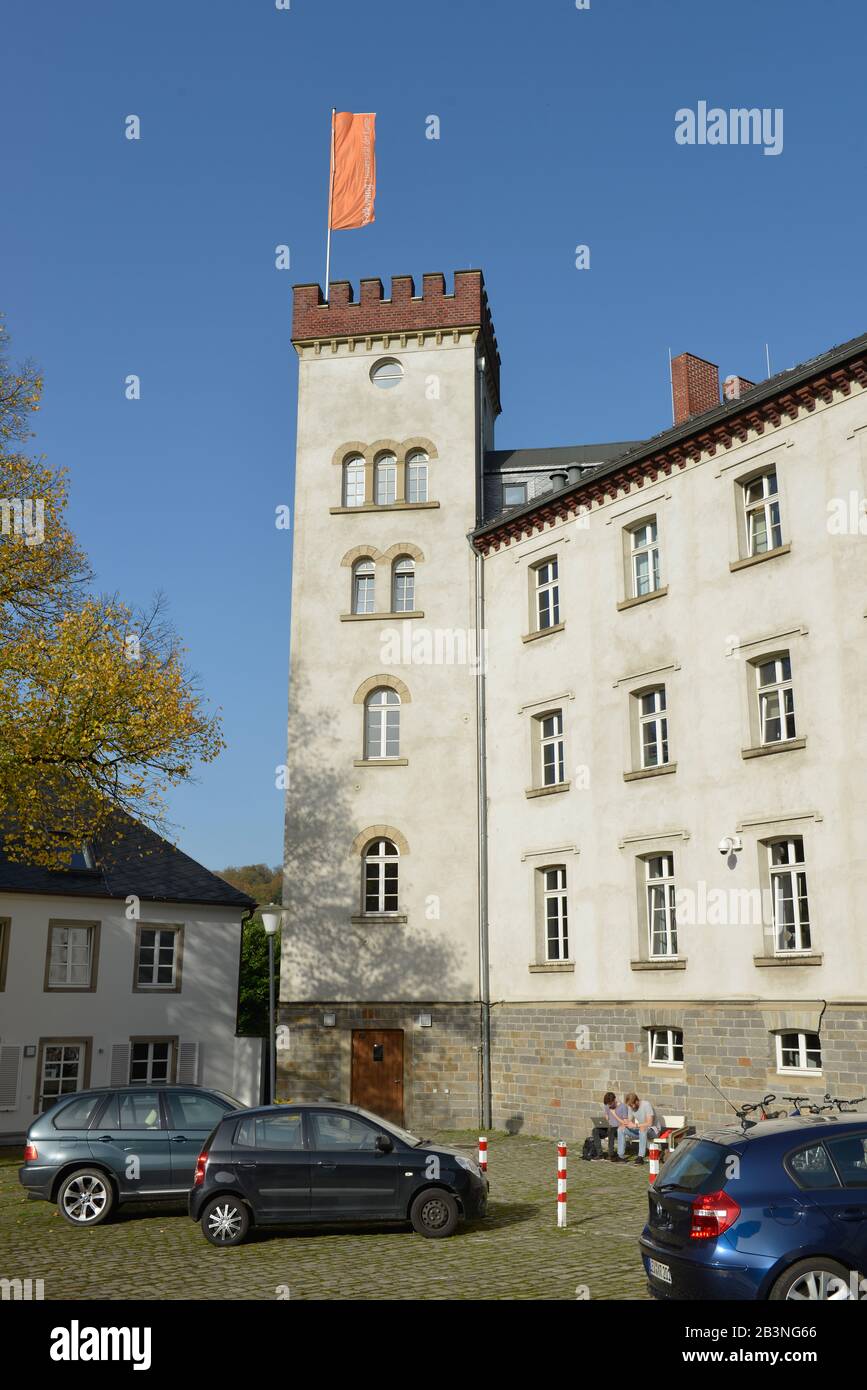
98	714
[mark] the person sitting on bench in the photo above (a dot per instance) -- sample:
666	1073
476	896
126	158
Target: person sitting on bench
613	1113
641	1124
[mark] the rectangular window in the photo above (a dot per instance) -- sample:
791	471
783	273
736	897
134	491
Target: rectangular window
553	748
644	547
661	919
151	1062
62	1070
547	595
139	1110
789	902
665	1047
157	963
71	956
556	913
653	728
514	494
762	514
776	699
799	1052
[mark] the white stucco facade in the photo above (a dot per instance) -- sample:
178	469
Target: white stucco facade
64	1027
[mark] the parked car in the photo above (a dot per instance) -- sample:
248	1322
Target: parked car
96	1149
778	1212
323	1163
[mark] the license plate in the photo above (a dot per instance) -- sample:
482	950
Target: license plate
660	1271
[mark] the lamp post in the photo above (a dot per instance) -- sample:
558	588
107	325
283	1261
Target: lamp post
272	916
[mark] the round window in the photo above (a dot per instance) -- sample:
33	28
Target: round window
386	373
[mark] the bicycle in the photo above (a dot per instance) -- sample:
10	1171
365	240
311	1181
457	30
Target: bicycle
844	1107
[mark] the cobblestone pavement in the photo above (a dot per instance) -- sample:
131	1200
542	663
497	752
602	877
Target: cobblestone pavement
517	1252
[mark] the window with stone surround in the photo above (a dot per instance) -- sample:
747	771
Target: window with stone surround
353	481
552	914
800	1052
545	576
659	905
665	1047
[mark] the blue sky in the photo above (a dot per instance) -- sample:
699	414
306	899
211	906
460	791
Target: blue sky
156	257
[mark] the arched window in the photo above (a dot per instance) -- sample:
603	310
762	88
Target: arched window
381	861
382	724
353	481
403	585
385	480
416	476
363	586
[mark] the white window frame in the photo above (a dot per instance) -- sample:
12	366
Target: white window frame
655	885
655	718
765	507
523	498
380	730
385	480
364	586
671	1040
89	933
403	569
417	475
644	548
793	870
552	748
555	908
354	481
375	856
387	373
547	589
803	1051
153	985
43	1100
781	689
149	1079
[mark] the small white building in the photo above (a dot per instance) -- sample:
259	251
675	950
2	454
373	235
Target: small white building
121	968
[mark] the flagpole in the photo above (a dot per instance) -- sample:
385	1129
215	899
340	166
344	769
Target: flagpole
330	196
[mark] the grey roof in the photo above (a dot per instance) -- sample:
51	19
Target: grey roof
560	456
765	390
132	860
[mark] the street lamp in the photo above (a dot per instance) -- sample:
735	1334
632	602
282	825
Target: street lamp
272	916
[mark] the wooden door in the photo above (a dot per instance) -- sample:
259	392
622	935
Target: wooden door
377	1071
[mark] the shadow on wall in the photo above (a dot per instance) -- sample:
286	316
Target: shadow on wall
325	956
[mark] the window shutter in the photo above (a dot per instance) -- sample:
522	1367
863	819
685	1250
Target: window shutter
119	1065
188	1063
10	1068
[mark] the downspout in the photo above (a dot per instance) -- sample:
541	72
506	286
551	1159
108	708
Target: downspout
481	769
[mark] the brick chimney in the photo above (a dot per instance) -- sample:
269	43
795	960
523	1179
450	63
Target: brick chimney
695	386
735	386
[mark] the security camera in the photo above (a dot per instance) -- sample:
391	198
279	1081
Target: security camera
730	844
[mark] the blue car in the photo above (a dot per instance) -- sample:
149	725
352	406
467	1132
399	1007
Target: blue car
95	1150
778	1211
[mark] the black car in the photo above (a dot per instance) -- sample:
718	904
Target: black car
323	1163
98	1148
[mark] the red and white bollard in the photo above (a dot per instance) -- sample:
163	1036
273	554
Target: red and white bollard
561	1184
483	1153
653	1152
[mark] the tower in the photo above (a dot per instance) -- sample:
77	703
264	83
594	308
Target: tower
380	967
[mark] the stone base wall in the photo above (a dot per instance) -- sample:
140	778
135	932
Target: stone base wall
441	1063
553	1062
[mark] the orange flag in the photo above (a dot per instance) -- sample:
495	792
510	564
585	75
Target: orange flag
353	169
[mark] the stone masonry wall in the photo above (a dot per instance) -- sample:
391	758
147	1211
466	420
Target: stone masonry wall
549	1074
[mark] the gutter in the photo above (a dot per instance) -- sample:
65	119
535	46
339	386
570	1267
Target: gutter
481	772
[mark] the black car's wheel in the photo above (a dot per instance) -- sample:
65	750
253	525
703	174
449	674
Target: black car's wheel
819	1279
434	1213
86	1197
225	1221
